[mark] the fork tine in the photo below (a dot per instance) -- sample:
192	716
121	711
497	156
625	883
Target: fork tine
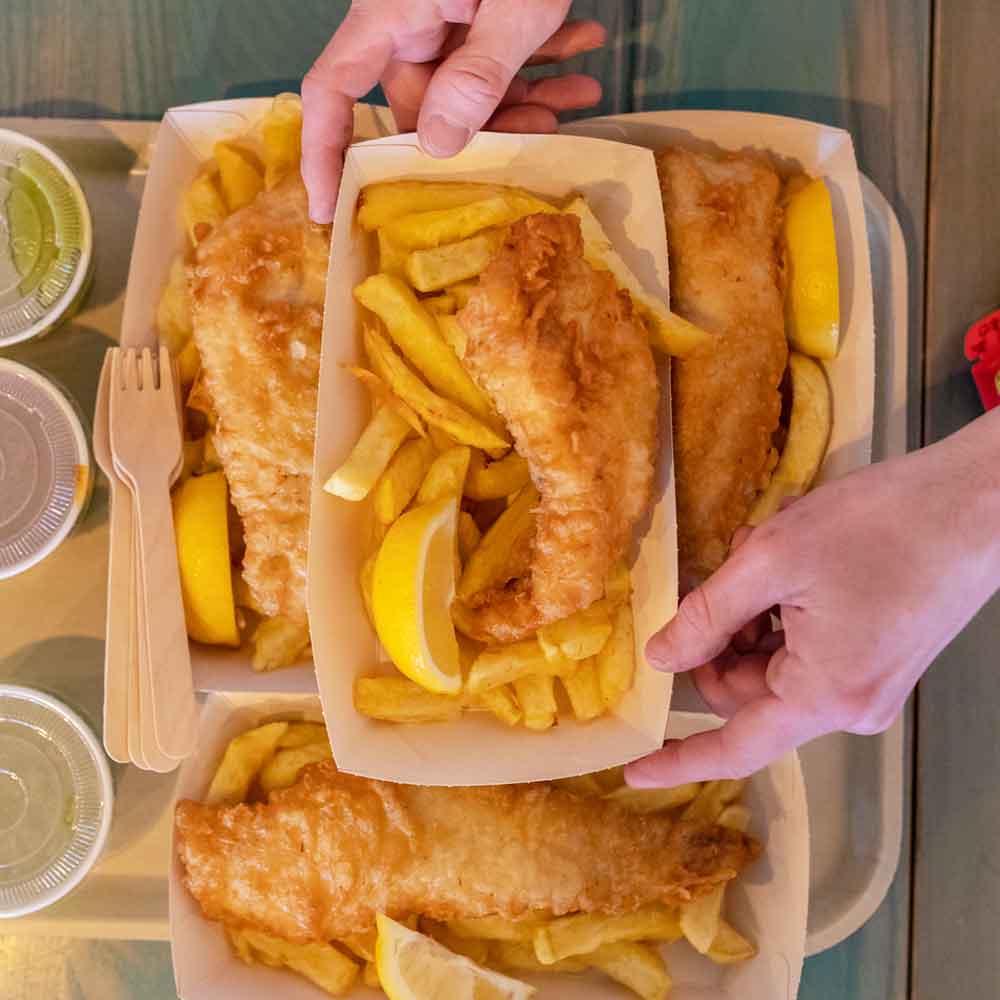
148	376
117	372
127	376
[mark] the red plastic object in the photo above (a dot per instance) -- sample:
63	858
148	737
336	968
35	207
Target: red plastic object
982	347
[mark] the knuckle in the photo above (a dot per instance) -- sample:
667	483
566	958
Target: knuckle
479	79
695	613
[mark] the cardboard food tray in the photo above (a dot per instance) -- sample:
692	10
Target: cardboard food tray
768	903
184	142
855	785
853	780
619	182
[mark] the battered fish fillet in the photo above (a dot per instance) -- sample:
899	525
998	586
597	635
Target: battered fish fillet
257	287
321	858
723	221
567	363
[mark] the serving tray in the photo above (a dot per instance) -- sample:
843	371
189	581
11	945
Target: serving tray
855	785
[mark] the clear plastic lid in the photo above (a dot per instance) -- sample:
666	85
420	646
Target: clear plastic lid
46	239
45	470
55	800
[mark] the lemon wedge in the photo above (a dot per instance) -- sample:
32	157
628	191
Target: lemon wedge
201	530
413	585
812	303
412	966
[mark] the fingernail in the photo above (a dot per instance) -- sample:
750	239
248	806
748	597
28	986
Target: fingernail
321	212
657	657
442	138
636	776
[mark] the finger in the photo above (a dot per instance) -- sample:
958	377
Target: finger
564	93
348	68
747	584
756	735
573	38
730	682
524	118
740	536
404	84
468	86
771	642
745	639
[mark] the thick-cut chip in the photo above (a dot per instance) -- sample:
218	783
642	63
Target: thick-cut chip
469	535
323	964
366	577
398	699
650	800
239	174
618	588
387	200
700	919
616	660
423	230
536	695
391	258
437	268
441	305
584	691
203	208
300	734
278	642
370	976
730	946
188	364
504	664
582	933
399	483
281	134
502	703
446	475
669	332
415	331
809	426
361	944
518	956
636	966
244	757
712	798
488	563
735	817
173	314
610	778
462	291
476	949
380	440
585	785
492	928
582	635
435	409
454	333
381	393
490	481
282	770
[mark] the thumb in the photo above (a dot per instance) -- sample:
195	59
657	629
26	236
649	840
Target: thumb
468	86
746	585
757	734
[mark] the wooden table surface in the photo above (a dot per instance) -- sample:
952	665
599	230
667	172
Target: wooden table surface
865	65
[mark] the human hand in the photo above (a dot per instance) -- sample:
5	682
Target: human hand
448	68
874	574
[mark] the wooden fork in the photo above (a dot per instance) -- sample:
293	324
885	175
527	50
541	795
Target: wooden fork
146	444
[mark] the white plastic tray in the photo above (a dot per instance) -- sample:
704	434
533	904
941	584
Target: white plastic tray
855	784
